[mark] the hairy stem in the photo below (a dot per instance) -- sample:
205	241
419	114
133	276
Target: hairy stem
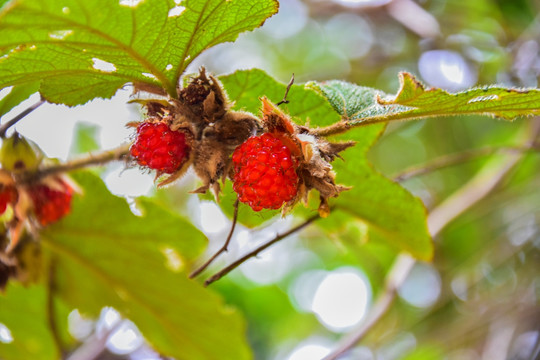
90	160
255	252
223	249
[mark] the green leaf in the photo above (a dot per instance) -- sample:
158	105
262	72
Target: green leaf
353	102
17	95
107	256
82	50
245	87
414	101
392	214
85	138
23	312
246	216
506	103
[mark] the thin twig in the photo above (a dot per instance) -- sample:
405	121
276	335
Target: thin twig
458	158
90	160
476	189
51	314
255	252
223	249
285	101
4	128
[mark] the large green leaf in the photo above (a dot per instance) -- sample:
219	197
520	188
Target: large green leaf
107	256
245	87
392	214
80	50
23	312
414	101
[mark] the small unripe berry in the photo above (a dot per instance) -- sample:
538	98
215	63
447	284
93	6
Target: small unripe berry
264	173
160	148
18	153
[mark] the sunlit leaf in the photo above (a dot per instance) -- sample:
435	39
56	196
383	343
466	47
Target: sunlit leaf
507	103
414	101
82	50
107	256
353	102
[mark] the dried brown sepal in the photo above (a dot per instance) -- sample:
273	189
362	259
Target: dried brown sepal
314	155
202	110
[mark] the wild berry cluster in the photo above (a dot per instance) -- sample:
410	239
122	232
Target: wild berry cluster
272	162
34	202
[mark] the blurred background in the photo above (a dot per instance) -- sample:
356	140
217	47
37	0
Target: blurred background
478	299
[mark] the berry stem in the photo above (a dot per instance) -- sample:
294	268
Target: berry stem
256	252
284	100
340	127
90	160
223	249
4	128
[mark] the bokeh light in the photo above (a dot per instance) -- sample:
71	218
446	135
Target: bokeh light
446	69
342	298
125	339
5	334
422	287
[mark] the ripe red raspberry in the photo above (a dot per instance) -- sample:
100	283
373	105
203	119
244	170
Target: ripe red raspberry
159	148
50	205
264	173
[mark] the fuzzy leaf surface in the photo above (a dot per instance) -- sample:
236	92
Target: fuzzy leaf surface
107	256
80	50
414	101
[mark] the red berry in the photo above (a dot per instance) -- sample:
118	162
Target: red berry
7	196
264	173
50	205
159	148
